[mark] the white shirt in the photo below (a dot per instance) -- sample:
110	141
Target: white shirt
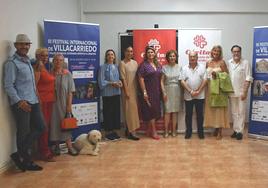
239	73
193	78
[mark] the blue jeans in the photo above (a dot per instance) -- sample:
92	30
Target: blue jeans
30	126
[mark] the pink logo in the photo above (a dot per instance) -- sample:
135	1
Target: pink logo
200	41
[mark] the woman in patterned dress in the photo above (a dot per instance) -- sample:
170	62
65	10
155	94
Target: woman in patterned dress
149	74
171	90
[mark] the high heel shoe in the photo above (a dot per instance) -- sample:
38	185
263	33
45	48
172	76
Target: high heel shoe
155	136
165	134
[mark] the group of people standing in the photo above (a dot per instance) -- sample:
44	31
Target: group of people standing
149	83
40	98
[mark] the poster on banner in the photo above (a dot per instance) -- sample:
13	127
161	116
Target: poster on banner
258	123
85	113
161	39
80	45
198	40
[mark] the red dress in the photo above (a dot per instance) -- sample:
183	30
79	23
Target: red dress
46	91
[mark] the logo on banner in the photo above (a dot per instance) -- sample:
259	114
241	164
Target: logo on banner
155	44
200	41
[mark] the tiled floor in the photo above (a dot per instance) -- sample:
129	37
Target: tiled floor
171	162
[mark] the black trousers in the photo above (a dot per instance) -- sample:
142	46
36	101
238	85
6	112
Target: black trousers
199	107
111	112
30	126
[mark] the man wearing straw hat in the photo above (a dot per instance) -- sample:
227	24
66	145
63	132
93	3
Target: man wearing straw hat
20	86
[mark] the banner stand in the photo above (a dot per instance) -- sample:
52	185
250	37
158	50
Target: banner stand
80	45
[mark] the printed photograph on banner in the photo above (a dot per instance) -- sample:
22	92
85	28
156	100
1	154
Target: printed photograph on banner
261	66
260	110
259	88
86	113
198	40
86	91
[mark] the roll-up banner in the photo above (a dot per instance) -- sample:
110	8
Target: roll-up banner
162	40
200	40
80	45
258	123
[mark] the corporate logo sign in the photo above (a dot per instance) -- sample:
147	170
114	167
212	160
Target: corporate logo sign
198	40
161	39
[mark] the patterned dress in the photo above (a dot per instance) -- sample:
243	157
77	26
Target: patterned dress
172	87
152	79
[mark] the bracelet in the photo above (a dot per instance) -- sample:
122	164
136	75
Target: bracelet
144	92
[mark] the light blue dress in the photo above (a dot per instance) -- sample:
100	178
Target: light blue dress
172	88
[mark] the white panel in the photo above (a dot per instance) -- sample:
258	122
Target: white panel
169	6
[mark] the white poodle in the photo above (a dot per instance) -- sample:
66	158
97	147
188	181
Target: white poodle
88	144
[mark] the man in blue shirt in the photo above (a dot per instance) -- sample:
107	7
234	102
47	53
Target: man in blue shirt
20	86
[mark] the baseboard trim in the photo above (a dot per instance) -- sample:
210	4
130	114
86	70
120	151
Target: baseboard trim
5	166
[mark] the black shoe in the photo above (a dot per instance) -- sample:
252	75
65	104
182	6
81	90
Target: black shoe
234	135
201	136
16	159
239	136
110	137
187	136
132	137
33	167
115	135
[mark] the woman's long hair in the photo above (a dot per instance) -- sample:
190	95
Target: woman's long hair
155	57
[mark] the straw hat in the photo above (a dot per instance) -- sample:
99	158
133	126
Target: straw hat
23	38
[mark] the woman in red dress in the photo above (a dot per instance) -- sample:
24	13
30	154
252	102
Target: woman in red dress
45	83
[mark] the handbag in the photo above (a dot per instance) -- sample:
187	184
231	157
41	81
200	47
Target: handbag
69	122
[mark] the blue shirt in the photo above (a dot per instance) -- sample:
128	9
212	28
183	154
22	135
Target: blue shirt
19	81
108	73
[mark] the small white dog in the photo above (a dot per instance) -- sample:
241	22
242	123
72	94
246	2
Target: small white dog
88	144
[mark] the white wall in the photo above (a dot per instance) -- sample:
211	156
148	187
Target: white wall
20	16
236	18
